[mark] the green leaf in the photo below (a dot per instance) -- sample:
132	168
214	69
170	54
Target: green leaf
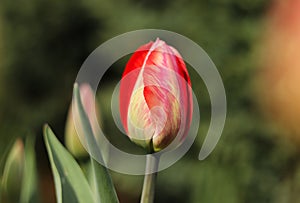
70	182
102	182
29	190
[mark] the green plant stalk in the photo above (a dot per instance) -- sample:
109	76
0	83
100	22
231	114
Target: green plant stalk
149	179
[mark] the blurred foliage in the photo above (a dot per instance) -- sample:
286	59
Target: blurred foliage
44	43
18	183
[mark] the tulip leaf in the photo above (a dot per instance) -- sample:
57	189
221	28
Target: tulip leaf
70	182
101	179
29	190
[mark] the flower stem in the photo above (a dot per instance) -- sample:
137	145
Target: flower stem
149	179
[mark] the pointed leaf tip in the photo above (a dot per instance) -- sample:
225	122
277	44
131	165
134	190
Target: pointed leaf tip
70	183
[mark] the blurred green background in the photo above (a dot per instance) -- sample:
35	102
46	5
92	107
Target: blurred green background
44	43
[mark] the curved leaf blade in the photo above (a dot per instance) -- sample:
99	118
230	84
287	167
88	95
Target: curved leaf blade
102	182
70	182
29	192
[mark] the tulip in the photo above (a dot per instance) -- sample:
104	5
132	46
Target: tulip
72	140
14	172
155	96
281	66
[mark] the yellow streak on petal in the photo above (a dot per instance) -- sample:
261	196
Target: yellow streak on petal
139	119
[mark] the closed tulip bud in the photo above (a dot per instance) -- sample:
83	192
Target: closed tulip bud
13	172
72	140
155	96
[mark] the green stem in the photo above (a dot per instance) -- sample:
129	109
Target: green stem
149	179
